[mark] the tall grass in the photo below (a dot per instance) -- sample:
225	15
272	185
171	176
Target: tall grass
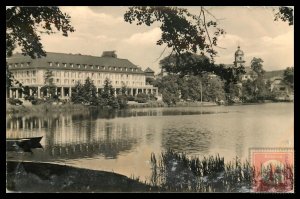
176	172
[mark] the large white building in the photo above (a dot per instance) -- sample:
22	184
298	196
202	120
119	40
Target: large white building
67	69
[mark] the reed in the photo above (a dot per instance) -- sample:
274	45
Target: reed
176	172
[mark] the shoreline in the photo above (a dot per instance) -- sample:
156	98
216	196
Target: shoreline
48	177
69	108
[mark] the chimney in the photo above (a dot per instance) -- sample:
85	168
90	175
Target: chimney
109	54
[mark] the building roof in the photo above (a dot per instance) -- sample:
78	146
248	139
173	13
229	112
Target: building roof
148	70
65	61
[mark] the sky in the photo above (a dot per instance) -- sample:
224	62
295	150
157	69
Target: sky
102	28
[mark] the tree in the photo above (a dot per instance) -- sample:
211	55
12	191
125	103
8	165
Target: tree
108	94
169	88
25	24
256	66
199	65
285	14
78	94
49	87
213	89
288	76
182	31
9	79
89	91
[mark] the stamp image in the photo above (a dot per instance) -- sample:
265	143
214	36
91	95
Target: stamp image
273	169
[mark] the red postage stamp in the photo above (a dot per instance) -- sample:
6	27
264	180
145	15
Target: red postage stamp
273	169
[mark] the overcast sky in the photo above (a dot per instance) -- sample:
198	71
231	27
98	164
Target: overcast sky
103	28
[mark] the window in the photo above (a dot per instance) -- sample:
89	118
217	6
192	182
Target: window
72	65
92	67
33	81
240	58
73	81
57	80
21	64
28	63
50	63
9	66
33	73
27	73
126	70
57	64
16	65
78	65
84	66
98	67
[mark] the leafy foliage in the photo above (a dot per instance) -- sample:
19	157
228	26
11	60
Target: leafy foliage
199	65
285	14
24	24
181	30
256	66
288	76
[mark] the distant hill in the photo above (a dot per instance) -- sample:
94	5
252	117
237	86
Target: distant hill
274	73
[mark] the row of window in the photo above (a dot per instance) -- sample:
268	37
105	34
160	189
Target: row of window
17	64
25	73
97	75
28	81
93	67
98	82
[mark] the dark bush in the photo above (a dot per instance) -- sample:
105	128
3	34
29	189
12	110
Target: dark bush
122	101
37	101
141	98
152	97
130	98
13	101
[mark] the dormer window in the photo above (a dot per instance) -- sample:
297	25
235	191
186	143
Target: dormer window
98	67
16	65
65	65
78	65
57	64
115	68
28	63
21	64
50	63
125	69
92	67
72	65
84	66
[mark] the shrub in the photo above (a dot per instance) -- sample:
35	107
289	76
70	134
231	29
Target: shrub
37	101
141	98
130	98
152	97
122	101
13	101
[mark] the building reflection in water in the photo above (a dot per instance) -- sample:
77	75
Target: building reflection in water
75	136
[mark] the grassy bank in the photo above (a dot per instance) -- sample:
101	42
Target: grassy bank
171	172
46	177
45	108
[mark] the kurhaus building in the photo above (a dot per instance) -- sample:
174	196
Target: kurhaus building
68	69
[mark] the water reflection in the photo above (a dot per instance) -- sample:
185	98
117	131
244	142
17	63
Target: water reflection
122	141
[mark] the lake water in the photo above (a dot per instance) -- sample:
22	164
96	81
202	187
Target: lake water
122	141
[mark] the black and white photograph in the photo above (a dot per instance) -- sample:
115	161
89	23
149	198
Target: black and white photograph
192	99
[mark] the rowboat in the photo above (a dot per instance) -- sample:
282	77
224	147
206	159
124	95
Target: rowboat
30	142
